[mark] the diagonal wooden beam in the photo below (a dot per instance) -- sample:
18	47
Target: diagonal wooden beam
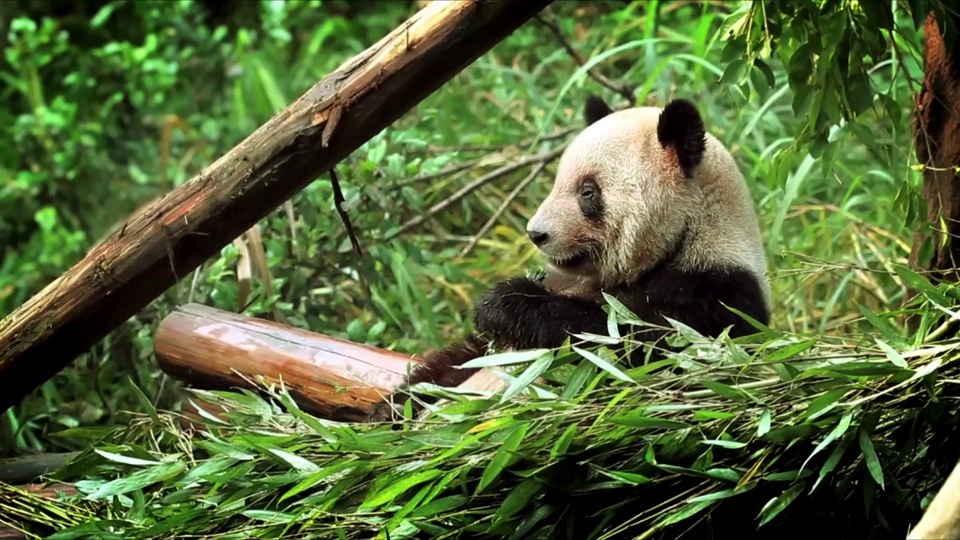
166	241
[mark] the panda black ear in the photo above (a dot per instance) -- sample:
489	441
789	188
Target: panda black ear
595	108
681	128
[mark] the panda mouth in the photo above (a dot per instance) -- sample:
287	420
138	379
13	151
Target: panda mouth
571	262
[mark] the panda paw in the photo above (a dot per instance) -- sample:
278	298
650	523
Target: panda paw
507	304
386	411
391	409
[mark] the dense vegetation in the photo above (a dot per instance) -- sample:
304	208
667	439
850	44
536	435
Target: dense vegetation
110	106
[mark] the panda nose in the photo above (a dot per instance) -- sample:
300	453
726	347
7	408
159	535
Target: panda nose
538	238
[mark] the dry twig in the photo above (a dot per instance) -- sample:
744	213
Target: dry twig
338	201
503	206
491	148
473	186
621	89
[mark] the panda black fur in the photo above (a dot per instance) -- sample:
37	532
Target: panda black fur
647	207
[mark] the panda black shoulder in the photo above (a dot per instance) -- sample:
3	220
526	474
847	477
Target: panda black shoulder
700	298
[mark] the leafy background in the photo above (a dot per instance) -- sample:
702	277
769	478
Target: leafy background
109	105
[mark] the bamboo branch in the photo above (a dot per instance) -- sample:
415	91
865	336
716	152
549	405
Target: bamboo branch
503	207
621	89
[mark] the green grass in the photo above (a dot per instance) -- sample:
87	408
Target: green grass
769	418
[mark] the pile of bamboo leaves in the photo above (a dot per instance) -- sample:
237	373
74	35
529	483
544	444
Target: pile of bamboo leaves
767	435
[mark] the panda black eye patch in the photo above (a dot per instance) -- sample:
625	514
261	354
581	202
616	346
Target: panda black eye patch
590	200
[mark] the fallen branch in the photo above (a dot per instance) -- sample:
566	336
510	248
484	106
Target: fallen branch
21	469
172	237
333	378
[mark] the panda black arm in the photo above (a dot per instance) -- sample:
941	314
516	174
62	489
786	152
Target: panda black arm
521	313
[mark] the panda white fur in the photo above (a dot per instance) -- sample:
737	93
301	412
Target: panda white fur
647	207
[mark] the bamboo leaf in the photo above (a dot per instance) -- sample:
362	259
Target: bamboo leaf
503	456
440	506
506	358
837	432
295	461
764	426
832	461
127	460
563	443
631	479
895	357
687	511
733	445
870	455
778	504
529	375
825	403
603	364
519	498
138	480
790	351
399	487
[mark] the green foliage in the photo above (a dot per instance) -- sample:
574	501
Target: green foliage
713	428
833	406
844	61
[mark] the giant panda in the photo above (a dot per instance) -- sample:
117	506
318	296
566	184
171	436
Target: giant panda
646	206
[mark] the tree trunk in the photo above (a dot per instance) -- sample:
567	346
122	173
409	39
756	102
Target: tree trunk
165	242
937	140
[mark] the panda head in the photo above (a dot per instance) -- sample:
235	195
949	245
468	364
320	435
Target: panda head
631	188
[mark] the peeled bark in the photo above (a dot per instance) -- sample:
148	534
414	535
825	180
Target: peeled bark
165	242
937	140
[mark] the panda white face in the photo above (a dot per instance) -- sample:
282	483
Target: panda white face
623	195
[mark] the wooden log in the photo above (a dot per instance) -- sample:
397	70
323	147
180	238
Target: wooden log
329	377
22	469
332	378
165	242
942	518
